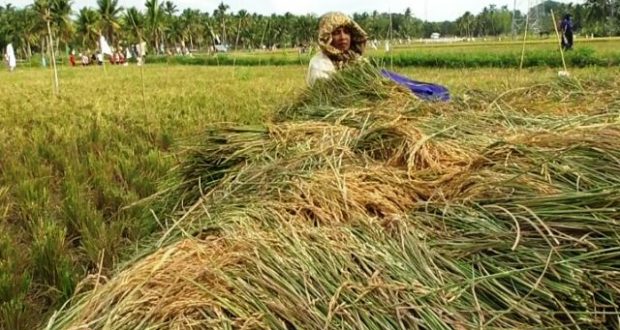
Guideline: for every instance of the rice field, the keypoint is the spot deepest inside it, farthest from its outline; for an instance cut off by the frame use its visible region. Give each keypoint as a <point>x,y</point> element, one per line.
<point>602,52</point>
<point>90,182</point>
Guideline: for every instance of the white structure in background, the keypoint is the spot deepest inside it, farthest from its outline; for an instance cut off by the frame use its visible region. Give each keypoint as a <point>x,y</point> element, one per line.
<point>373,44</point>
<point>105,47</point>
<point>436,38</point>
<point>140,52</point>
<point>221,48</point>
<point>10,54</point>
<point>127,56</point>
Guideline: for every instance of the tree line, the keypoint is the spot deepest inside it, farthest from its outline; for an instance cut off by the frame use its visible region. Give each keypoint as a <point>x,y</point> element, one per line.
<point>57,25</point>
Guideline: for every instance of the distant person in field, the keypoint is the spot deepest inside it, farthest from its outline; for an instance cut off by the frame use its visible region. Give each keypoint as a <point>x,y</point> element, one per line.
<point>10,58</point>
<point>566,26</point>
<point>341,41</point>
<point>72,58</point>
<point>84,59</point>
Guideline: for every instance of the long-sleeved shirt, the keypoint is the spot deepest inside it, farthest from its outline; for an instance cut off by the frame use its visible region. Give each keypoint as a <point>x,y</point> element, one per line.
<point>321,67</point>
<point>566,25</point>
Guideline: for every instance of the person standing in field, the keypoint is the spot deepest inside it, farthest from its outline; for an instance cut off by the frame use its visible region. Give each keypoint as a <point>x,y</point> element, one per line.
<point>566,26</point>
<point>341,41</point>
<point>10,57</point>
<point>72,58</point>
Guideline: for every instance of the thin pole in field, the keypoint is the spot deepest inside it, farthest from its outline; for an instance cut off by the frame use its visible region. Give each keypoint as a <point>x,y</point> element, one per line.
<point>53,58</point>
<point>390,43</point>
<point>141,59</point>
<point>514,20</point>
<point>557,33</point>
<point>141,65</point>
<point>102,56</point>
<point>527,27</point>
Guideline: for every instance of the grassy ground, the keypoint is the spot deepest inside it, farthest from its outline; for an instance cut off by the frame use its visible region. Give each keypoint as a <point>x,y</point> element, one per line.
<point>72,164</point>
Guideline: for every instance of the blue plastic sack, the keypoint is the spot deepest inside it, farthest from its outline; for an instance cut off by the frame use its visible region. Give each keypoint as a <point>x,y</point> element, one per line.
<point>423,90</point>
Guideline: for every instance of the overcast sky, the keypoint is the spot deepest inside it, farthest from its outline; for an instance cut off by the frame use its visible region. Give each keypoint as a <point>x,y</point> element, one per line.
<point>434,10</point>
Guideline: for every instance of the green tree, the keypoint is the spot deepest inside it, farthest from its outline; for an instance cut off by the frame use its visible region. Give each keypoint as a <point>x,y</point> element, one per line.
<point>88,27</point>
<point>134,23</point>
<point>222,17</point>
<point>190,21</point>
<point>109,11</point>
<point>155,21</point>
<point>465,24</point>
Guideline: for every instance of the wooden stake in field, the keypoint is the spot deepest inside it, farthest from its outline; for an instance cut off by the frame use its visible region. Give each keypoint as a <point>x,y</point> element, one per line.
<point>142,47</point>
<point>53,57</point>
<point>557,33</point>
<point>527,26</point>
<point>389,42</point>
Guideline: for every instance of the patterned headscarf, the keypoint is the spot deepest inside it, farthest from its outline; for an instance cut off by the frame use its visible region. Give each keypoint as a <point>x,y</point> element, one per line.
<point>327,25</point>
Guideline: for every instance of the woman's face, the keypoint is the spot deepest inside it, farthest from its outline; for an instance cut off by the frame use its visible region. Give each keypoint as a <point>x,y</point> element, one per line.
<point>341,39</point>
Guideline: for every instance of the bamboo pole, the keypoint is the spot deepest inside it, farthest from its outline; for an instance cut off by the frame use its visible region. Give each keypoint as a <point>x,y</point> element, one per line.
<point>53,57</point>
<point>527,26</point>
<point>557,33</point>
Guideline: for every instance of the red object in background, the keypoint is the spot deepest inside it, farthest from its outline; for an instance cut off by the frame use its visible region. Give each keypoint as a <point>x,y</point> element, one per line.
<point>72,59</point>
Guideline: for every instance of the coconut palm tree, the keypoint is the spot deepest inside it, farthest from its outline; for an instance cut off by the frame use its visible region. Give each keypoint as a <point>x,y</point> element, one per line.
<point>220,15</point>
<point>170,8</point>
<point>134,22</point>
<point>305,29</point>
<point>109,11</point>
<point>599,16</point>
<point>8,19</point>
<point>598,9</point>
<point>174,31</point>
<point>155,21</point>
<point>190,19</point>
<point>208,23</point>
<point>465,23</point>
<point>242,21</point>
<point>88,26</point>
<point>62,25</point>
<point>45,10</point>
<point>27,27</point>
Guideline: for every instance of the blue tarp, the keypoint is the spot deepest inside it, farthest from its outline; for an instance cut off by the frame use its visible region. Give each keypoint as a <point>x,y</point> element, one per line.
<point>423,90</point>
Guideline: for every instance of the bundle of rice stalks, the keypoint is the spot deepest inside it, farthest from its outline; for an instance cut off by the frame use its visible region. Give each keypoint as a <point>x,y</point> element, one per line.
<point>450,268</point>
<point>357,87</point>
<point>270,161</point>
<point>375,215</point>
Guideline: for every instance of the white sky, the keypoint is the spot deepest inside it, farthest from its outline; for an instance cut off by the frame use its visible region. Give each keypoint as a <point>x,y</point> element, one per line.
<point>433,10</point>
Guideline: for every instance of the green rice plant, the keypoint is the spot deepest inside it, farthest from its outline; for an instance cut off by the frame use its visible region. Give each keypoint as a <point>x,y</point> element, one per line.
<point>75,167</point>
<point>83,161</point>
<point>14,284</point>
<point>376,212</point>
<point>502,57</point>
<point>51,264</point>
